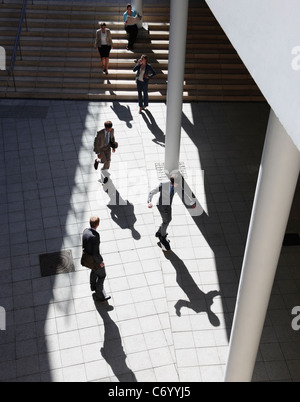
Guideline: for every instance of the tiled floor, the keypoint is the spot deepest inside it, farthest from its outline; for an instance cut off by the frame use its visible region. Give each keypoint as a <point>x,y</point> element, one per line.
<point>170,316</point>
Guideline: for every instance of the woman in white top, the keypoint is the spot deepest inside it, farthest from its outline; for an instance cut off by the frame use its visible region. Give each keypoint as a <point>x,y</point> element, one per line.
<point>104,44</point>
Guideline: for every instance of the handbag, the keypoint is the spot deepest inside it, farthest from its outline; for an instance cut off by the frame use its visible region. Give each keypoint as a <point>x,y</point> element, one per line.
<point>88,261</point>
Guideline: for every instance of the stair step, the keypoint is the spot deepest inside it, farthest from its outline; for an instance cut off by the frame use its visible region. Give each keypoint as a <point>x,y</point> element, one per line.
<point>60,61</point>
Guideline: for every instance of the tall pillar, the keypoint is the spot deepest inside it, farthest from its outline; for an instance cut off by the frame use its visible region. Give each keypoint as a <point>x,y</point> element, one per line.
<point>276,185</point>
<point>138,8</point>
<point>176,65</point>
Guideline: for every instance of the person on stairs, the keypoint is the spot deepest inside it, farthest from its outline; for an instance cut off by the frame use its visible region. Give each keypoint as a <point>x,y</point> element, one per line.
<point>130,24</point>
<point>104,44</point>
<point>144,72</point>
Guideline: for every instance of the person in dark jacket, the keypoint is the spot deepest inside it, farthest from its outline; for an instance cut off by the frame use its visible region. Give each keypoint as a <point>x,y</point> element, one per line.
<point>144,72</point>
<point>166,191</point>
<point>104,142</point>
<point>94,260</point>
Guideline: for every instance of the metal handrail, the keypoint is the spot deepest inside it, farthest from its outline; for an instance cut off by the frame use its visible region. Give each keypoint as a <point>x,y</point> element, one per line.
<point>17,41</point>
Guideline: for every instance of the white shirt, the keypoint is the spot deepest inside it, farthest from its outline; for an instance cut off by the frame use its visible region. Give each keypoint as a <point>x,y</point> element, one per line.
<point>142,73</point>
<point>103,38</point>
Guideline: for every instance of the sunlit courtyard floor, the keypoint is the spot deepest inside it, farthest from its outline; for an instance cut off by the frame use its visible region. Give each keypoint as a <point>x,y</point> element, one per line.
<point>170,315</point>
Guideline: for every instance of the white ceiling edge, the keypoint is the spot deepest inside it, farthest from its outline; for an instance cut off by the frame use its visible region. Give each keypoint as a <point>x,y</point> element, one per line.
<point>266,35</point>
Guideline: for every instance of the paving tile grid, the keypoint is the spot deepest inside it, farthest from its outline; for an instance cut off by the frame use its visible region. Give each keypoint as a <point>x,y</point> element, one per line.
<point>170,317</point>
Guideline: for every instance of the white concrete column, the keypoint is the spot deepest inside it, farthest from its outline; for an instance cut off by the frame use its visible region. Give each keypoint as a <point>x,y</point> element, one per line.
<point>276,185</point>
<point>137,5</point>
<point>176,65</point>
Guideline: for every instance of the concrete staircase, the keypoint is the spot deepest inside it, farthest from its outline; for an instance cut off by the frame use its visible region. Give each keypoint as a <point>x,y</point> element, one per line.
<point>60,62</point>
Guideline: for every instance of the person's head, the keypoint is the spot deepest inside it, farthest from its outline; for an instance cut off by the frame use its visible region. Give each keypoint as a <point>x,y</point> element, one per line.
<point>174,179</point>
<point>103,26</point>
<point>108,125</point>
<point>129,8</point>
<point>94,222</point>
<point>144,59</point>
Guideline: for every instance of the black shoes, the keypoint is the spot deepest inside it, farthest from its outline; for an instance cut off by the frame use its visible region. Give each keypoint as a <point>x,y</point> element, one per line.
<point>96,163</point>
<point>164,241</point>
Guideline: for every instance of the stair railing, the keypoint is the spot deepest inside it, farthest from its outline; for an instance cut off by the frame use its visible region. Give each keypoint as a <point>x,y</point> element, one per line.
<point>17,41</point>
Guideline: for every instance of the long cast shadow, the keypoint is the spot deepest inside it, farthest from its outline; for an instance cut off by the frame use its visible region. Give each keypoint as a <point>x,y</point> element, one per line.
<point>225,189</point>
<point>198,300</point>
<point>122,212</point>
<point>123,112</point>
<point>42,185</point>
<point>112,350</point>
<point>153,127</point>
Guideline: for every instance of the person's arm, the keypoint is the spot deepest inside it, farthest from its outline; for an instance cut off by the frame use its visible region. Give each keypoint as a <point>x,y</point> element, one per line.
<point>151,194</point>
<point>112,140</point>
<point>151,71</point>
<point>96,40</point>
<point>187,197</point>
<point>95,251</point>
<point>136,67</point>
<point>109,38</point>
<point>98,142</point>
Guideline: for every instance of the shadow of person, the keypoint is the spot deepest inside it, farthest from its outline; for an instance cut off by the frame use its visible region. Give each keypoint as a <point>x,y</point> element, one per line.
<point>153,127</point>
<point>112,350</point>
<point>121,211</point>
<point>198,300</point>
<point>123,113</point>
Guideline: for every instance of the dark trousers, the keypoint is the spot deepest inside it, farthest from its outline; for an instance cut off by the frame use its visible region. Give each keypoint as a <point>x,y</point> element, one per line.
<point>97,278</point>
<point>142,88</point>
<point>132,31</point>
<point>106,157</point>
<point>166,214</point>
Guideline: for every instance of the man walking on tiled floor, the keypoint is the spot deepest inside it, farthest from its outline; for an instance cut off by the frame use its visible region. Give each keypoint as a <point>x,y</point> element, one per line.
<point>91,258</point>
<point>103,144</point>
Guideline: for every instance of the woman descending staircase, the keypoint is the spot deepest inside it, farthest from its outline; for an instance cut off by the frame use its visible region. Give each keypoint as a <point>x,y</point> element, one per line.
<point>59,59</point>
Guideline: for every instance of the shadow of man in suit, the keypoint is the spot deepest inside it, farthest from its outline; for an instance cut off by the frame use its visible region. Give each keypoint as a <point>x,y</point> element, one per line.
<point>112,350</point>
<point>122,212</point>
<point>198,300</point>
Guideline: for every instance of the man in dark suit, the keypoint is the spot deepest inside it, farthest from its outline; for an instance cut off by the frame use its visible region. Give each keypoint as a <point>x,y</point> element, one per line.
<point>166,192</point>
<point>103,144</point>
<point>164,205</point>
<point>93,259</point>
